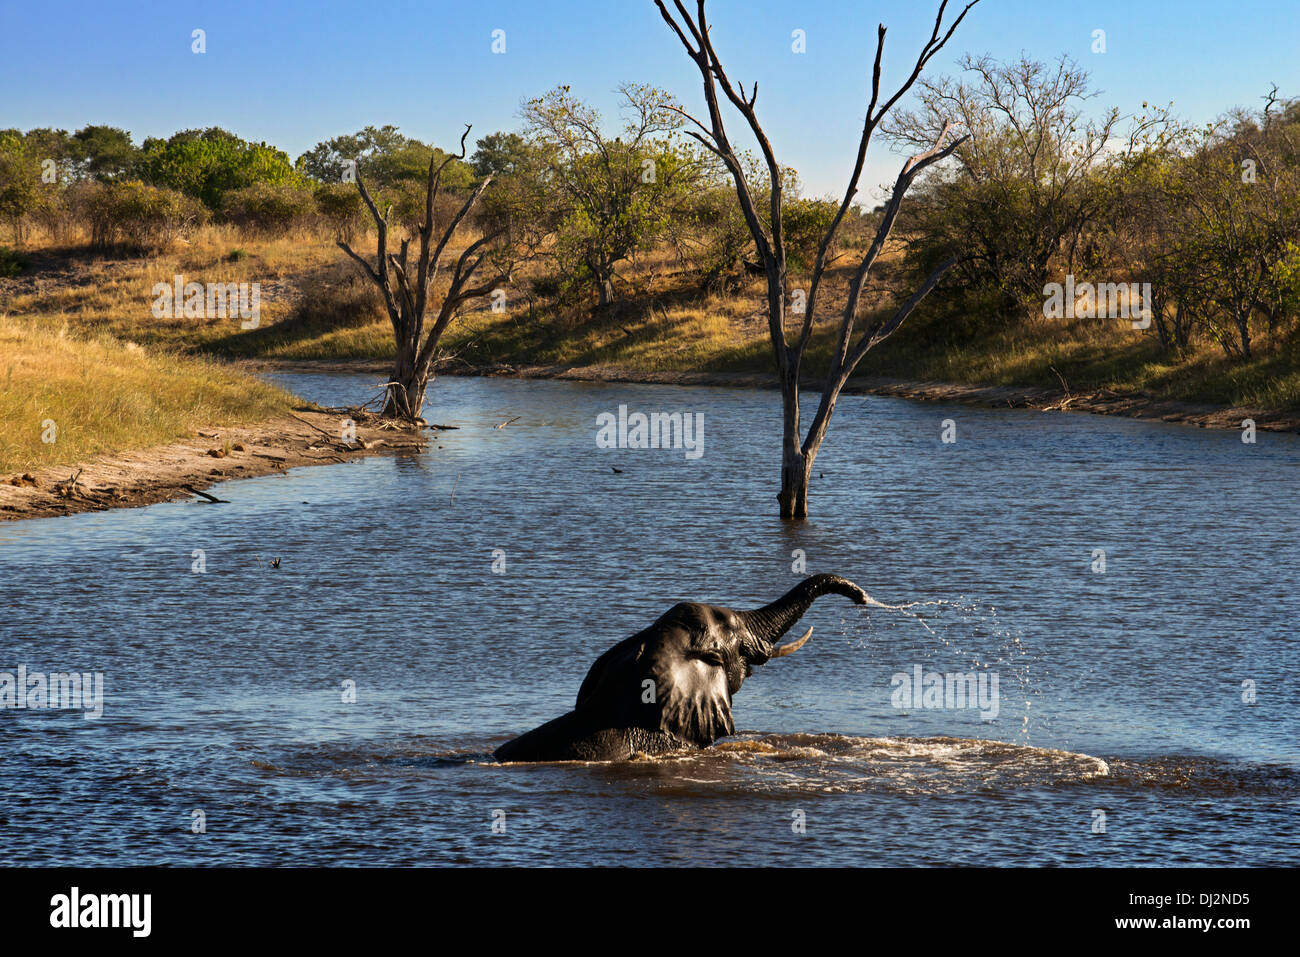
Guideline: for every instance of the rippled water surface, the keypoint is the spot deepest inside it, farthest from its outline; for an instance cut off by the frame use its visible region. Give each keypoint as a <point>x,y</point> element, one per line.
<point>1122,695</point>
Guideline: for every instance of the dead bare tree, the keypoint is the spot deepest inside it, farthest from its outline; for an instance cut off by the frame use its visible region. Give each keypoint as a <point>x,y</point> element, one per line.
<point>798,451</point>
<point>407,296</point>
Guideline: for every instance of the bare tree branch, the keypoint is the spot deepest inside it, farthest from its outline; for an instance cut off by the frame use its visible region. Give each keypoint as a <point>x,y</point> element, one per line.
<point>692,30</point>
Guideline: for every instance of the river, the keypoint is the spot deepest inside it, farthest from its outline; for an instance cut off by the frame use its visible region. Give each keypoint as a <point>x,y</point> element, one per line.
<point>1145,713</point>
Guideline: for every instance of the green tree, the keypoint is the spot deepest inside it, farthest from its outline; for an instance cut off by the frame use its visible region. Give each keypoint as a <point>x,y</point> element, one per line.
<point>386,158</point>
<point>104,152</point>
<point>608,197</point>
<point>501,154</point>
<point>20,182</point>
<point>329,160</point>
<point>1024,188</point>
<point>53,145</point>
<point>209,163</point>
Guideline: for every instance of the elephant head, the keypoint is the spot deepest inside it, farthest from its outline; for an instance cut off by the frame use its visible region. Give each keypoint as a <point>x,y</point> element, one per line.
<point>671,685</point>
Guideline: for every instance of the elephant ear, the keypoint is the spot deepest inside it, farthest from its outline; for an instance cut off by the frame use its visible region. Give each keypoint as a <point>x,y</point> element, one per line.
<point>691,698</point>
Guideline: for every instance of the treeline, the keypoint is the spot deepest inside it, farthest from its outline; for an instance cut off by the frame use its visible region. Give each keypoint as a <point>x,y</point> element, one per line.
<point>1208,215</point>
<point>602,198</point>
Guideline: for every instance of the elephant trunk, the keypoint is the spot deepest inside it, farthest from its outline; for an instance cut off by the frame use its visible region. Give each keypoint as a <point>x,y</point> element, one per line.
<point>772,621</point>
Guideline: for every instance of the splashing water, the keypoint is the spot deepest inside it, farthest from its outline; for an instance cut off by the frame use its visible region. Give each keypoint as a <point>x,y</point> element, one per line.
<point>1005,652</point>
<point>905,606</point>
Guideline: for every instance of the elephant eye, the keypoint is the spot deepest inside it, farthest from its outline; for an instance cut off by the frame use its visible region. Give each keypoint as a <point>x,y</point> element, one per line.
<point>710,657</point>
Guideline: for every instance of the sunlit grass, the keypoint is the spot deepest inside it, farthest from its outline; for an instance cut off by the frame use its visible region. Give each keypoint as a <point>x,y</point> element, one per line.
<point>104,395</point>
<point>662,323</point>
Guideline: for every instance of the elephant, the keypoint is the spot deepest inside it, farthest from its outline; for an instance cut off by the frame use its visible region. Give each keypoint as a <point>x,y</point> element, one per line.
<point>669,687</point>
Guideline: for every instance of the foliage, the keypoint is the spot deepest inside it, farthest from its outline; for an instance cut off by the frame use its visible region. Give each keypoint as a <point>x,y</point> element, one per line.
<point>143,216</point>
<point>269,210</point>
<point>103,152</point>
<point>1024,188</point>
<point>23,195</point>
<point>11,263</point>
<point>341,209</point>
<point>608,197</point>
<point>385,158</point>
<point>501,154</point>
<point>209,163</point>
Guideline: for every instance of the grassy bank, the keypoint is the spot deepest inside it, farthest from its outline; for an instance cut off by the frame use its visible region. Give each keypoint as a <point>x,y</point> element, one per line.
<point>314,306</point>
<point>104,395</point>
<point>730,335</point>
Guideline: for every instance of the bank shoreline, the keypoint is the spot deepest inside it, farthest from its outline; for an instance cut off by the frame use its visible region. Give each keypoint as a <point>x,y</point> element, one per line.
<point>1134,405</point>
<point>186,467</point>
<point>311,437</point>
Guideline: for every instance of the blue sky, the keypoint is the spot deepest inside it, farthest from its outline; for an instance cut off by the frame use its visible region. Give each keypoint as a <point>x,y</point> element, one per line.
<point>296,73</point>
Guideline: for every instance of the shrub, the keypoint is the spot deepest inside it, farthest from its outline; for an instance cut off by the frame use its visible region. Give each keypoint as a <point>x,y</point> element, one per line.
<point>211,163</point>
<point>20,172</point>
<point>269,210</point>
<point>11,263</point>
<point>805,222</point>
<point>143,216</point>
<point>341,209</point>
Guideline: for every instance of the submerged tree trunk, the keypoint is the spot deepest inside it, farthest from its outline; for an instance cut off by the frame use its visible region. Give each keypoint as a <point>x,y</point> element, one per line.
<point>797,451</point>
<point>796,472</point>
<point>796,466</point>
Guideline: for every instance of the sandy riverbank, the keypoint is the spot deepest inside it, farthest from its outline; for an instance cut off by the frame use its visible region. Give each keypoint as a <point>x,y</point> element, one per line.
<point>173,471</point>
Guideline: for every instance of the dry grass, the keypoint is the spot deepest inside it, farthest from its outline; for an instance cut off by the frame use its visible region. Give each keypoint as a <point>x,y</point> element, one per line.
<point>104,395</point>
<point>100,293</point>
<point>314,306</point>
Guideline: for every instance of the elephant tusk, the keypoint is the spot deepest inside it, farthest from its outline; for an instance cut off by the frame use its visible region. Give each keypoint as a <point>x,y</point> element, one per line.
<point>793,646</point>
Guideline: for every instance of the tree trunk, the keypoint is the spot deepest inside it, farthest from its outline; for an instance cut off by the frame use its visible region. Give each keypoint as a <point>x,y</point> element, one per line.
<point>796,471</point>
<point>770,241</point>
<point>796,468</point>
<point>605,287</point>
<point>406,285</point>
<point>406,384</point>
<point>405,399</point>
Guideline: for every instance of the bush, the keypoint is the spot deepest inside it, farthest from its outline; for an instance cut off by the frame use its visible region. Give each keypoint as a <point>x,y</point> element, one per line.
<point>11,263</point>
<point>269,210</point>
<point>805,222</point>
<point>210,163</point>
<point>20,177</point>
<point>341,209</point>
<point>143,216</point>
<point>547,287</point>
<point>340,299</point>
<point>408,198</point>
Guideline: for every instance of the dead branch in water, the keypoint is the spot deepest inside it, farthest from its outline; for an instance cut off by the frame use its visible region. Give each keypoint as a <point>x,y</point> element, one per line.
<point>203,494</point>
